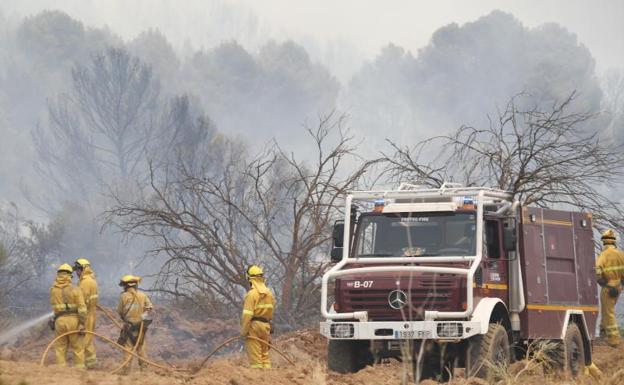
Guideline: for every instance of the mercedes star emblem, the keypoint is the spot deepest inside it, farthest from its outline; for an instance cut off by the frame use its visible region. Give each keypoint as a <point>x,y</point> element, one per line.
<point>397,299</point>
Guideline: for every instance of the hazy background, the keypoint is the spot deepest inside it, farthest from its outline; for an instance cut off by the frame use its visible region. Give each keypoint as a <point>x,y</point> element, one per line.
<point>364,27</point>
<point>197,71</point>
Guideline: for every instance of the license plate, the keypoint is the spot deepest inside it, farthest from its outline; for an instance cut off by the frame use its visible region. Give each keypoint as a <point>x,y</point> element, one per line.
<point>404,334</point>
<point>411,334</point>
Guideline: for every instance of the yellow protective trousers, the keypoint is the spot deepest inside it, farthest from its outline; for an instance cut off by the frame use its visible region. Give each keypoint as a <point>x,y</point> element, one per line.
<point>64,324</point>
<point>257,352</point>
<point>90,356</point>
<point>608,322</point>
<point>140,350</point>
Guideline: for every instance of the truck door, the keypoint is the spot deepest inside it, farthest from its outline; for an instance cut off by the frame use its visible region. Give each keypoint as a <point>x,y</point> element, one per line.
<point>494,262</point>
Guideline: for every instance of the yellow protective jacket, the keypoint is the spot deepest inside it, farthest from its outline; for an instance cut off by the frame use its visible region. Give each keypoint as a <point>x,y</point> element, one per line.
<point>89,288</point>
<point>132,304</point>
<point>259,302</point>
<point>610,265</point>
<point>66,298</point>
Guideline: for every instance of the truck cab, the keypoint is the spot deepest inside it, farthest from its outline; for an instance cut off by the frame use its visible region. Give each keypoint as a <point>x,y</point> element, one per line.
<point>437,276</point>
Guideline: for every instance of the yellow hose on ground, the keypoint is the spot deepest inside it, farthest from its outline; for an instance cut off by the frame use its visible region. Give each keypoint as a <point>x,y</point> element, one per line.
<point>226,342</point>
<point>111,342</point>
<point>154,364</point>
<point>235,338</point>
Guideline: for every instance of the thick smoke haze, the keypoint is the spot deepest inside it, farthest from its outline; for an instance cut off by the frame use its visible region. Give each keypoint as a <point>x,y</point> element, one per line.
<point>96,95</point>
<point>346,31</point>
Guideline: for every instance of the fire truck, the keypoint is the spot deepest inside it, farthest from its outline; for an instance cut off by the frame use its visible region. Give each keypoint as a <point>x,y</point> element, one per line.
<point>457,277</point>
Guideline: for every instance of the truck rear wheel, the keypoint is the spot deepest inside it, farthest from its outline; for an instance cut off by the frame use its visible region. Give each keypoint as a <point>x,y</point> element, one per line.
<point>488,355</point>
<point>344,356</point>
<point>570,354</point>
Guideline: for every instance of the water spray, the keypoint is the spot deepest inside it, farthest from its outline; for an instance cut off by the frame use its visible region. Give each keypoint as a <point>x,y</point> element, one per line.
<point>10,334</point>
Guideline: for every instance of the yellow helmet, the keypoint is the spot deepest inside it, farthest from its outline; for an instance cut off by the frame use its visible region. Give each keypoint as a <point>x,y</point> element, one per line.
<point>64,268</point>
<point>608,237</point>
<point>254,271</point>
<point>129,280</point>
<point>81,263</point>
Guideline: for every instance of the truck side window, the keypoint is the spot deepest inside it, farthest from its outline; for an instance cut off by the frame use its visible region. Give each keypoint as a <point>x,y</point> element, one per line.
<point>492,239</point>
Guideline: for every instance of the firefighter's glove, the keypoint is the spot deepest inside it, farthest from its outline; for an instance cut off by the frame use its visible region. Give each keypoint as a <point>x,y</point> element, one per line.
<point>81,330</point>
<point>613,292</point>
<point>601,281</point>
<point>51,323</point>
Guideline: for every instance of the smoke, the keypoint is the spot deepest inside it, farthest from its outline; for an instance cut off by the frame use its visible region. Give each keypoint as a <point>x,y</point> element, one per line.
<point>239,70</point>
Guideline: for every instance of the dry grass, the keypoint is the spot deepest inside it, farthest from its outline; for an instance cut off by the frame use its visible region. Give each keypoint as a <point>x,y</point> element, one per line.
<point>308,349</point>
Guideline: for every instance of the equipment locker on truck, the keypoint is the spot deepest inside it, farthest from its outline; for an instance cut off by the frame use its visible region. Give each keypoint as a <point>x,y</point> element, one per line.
<point>467,276</point>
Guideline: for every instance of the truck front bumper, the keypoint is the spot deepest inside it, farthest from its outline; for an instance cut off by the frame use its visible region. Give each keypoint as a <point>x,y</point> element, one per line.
<point>400,330</point>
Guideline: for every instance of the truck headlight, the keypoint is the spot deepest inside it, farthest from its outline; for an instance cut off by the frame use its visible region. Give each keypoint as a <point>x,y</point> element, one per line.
<point>450,329</point>
<point>341,330</point>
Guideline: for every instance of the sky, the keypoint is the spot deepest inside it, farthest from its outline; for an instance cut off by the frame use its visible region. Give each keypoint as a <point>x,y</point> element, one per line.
<point>361,25</point>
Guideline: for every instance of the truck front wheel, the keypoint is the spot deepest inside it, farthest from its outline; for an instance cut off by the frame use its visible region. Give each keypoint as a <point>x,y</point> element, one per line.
<point>437,362</point>
<point>488,355</point>
<point>345,356</point>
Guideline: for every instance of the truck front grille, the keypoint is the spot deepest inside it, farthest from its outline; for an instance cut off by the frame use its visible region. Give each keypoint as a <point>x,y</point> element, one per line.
<point>424,295</point>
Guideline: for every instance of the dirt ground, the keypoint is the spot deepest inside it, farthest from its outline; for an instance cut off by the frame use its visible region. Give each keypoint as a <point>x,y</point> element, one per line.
<point>183,344</point>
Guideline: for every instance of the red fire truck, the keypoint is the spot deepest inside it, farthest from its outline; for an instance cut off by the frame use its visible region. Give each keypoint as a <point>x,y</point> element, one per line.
<point>464,277</point>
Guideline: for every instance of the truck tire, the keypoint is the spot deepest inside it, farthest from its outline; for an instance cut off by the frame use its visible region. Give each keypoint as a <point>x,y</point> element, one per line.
<point>438,363</point>
<point>488,355</point>
<point>345,356</point>
<point>569,356</point>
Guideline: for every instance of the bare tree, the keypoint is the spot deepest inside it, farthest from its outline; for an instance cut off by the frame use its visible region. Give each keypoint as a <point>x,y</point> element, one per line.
<point>273,209</point>
<point>102,135</point>
<point>545,158</point>
<point>100,130</point>
<point>103,131</point>
<point>27,249</point>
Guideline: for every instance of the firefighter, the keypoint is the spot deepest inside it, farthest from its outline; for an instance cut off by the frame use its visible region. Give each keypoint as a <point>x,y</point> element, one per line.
<point>134,308</point>
<point>70,314</point>
<point>89,288</point>
<point>609,274</point>
<point>256,318</point>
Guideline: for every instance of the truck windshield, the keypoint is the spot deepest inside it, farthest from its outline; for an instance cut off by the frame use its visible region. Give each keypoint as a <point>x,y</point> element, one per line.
<point>414,235</point>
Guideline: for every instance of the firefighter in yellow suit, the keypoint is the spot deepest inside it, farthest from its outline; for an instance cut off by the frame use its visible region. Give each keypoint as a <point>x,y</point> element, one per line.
<point>69,315</point>
<point>134,308</point>
<point>89,288</point>
<point>256,318</point>
<point>609,275</point>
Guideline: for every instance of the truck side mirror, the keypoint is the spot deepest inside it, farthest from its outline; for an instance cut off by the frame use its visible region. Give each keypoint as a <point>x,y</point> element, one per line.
<point>338,238</point>
<point>509,239</point>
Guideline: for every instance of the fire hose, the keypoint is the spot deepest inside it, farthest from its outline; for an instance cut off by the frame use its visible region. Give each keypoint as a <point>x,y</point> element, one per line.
<point>132,353</point>
<point>111,342</point>
<point>152,363</point>
<point>109,316</point>
<point>235,338</point>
